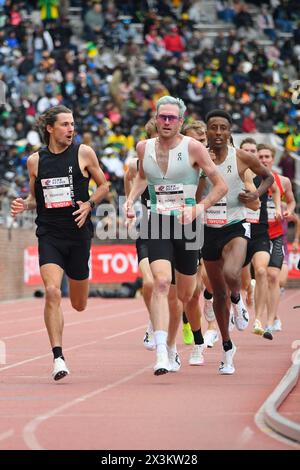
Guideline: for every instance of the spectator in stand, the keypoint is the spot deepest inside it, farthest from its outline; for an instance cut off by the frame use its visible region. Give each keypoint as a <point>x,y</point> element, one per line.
<point>265,23</point>
<point>243,17</point>
<point>287,164</point>
<point>248,124</point>
<point>174,42</point>
<point>94,22</point>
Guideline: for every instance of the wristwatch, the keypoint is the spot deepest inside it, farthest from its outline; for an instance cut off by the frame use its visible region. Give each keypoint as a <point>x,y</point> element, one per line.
<point>91,203</point>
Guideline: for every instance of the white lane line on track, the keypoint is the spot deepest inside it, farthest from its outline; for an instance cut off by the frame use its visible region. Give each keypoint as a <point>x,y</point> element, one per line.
<point>30,428</point>
<point>67,310</point>
<point>6,435</point>
<point>35,358</point>
<point>126,331</point>
<point>80,322</point>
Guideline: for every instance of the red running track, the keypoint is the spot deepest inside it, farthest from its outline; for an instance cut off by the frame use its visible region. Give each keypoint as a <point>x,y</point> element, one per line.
<point>112,400</point>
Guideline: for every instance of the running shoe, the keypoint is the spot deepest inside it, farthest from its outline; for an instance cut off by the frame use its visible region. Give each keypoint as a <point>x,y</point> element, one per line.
<point>241,315</point>
<point>196,357</point>
<point>268,333</point>
<point>226,366</point>
<point>231,320</point>
<point>174,360</point>
<point>149,341</point>
<point>162,365</point>
<point>60,369</point>
<point>257,328</point>
<point>208,310</point>
<point>210,338</point>
<point>187,334</point>
<point>277,325</point>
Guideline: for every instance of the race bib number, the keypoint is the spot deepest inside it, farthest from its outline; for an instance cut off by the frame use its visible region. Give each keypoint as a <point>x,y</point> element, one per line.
<point>253,216</point>
<point>57,192</point>
<point>169,197</point>
<point>217,214</point>
<point>271,210</point>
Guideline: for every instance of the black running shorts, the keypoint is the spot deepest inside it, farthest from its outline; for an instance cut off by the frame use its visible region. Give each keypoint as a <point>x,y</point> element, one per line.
<point>142,253</point>
<point>258,243</point>
<point>174,242</point>
<point>216,238</point>
<point>277,253</point>
<point>71,255</point>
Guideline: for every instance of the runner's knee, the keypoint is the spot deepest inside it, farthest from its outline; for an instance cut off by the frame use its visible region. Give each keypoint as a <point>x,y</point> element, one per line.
<point>185,296</point>
<point>162,284</point>
<point>79,304</point>
<point>52,294</point>
<point>260,272</point>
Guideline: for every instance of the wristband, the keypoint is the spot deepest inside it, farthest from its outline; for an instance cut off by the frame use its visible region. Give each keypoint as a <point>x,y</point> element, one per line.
<point>91,203</point>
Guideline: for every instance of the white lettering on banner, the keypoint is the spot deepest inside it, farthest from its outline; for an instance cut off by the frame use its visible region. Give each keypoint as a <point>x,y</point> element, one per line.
<point>133,260</point>
<point>104,258</point>
<point>119,262</point>
<point>31,265</point>
<point>124,263</point>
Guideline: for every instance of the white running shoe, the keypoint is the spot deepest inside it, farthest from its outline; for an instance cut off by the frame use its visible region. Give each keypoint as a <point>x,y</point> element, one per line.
<point>196,357</point>
<point>226,367</point>
<point>174,360</point>
<point>149,341</point>
<point>231,320</point>
<point>208,310</point>
<point>241,315</point>
<point>162,365</point>
<point>277,325</point>
<point>210,338</point>
<point>60,369</point>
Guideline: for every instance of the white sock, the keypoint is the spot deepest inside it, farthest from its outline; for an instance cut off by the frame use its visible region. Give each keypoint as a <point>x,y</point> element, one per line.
<point>160,340</point>
<point>172,348</point>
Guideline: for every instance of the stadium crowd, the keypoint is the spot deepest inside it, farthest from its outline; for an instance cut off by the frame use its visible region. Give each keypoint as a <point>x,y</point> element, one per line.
<point>110,61</point>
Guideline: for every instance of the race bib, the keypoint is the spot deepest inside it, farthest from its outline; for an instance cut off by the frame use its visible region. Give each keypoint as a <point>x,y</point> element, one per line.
<point>217,214</point>
<point>253,216</point>
<point>57,192</point>
<point>169,197</point>
<point>247,228</point>
<point>271,210</point>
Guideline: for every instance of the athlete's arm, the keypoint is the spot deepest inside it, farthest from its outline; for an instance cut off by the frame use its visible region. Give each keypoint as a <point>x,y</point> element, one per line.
<point>139,183</point>
<point>297,232</point>
<point>19,205</point>
<point>289,197</point>
<point>277,200</point>
<point>129,175</point>
<point>89,162</point>
<point>200,157</point>
<point>250,161</point>
<point>200,188</point>
<point>250,188</point>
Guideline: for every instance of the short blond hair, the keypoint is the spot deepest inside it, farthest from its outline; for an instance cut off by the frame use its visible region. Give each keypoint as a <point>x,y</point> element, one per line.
<point>150,128</point>
<point>197,126</point>
<point>267,147</point>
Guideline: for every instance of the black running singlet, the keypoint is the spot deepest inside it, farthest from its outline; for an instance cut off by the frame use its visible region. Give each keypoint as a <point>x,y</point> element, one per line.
<point>262,226</point>
<point>59,184</point>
